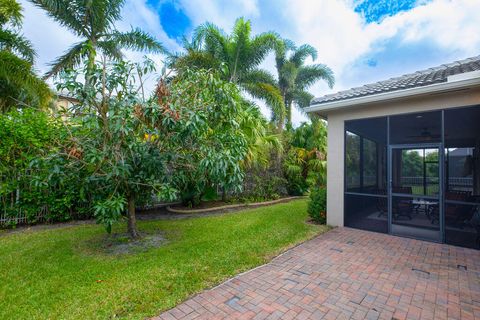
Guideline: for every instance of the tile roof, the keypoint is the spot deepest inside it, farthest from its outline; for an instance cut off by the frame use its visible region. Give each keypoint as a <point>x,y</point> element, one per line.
<point>418,79</point>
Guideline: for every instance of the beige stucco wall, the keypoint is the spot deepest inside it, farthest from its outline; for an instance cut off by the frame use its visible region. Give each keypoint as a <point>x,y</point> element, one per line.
<point>336,120</point>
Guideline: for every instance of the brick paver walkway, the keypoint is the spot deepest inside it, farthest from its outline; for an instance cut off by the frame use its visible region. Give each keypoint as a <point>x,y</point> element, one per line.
<point>349,274</point>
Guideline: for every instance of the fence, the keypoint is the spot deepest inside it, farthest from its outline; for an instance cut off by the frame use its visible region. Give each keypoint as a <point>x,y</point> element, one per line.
<point>21,218</point>
<point>455,183</point>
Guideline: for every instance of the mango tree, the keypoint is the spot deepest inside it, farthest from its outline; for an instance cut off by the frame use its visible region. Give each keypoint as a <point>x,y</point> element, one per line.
<point>108,140</point>
<point>185,136</point>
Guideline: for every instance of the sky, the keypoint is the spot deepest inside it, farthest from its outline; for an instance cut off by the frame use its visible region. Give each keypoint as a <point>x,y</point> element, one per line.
<point>362,41</point>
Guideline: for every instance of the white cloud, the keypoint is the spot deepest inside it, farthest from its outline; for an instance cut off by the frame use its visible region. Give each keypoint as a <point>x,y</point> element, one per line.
<point>50,40</point>
<point>343,39</point>
<point>136,13</point>
<point>450,24</point>
<point>223,13</point>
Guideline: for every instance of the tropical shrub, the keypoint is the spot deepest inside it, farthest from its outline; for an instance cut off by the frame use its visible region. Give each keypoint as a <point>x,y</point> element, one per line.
<point>208,142</point>
<point>305,160</point>
<point>317,206</point>
<point>262,184</point>
<point>263,172</point>
<point>28,137</point>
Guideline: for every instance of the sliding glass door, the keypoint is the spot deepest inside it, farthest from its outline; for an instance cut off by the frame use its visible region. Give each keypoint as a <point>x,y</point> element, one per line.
<point>415,191</point>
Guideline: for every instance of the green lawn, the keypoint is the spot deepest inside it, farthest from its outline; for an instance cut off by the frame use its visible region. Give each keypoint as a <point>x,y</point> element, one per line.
<point>53,274</point>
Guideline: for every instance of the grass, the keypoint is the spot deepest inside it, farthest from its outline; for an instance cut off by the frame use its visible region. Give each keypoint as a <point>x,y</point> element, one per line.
<point>64,273</point>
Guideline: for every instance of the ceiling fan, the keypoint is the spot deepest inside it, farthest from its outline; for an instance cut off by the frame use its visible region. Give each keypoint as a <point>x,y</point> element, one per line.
<point>425,134</point>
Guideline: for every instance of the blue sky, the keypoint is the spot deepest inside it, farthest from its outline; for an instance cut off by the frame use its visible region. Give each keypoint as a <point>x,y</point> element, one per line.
<point>172,18</point>
<point>377,10</point>
<point>361,40</point>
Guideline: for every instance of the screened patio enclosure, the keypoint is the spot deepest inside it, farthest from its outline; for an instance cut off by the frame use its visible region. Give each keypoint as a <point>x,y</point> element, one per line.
<point>415,175</point>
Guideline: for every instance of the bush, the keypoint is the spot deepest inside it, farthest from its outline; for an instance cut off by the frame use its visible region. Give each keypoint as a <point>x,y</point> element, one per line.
<point>27,141</point>
<point>317,207</point>
<point>262,184</point>
<point>305,161</point>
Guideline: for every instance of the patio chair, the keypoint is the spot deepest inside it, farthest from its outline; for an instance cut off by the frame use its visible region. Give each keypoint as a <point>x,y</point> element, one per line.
<point>402,208</point>
<point>382,203</point>
<point>475,222</point>
<point>457,213</point>
<point>434,214</point>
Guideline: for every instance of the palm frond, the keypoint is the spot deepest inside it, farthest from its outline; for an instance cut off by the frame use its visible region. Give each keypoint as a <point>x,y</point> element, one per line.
<point>193,45</point>
<point>270,94</point>
<point>258,76</point>
<point>12,41</point>
<point>261,45</point>
<point>10,13</point>
<point>237,47</point>
<point>69,14</point>
<point>241,30</point>
<point>308,75</point>
<point>70,59</point>
<point>196,59</point>
<point>113,11</point>
<point>110,49</point>
<point>281,52</point>
<point>301,53</point>
<point>302,98</point>
<point>136,39</point>
<point>19,85</point>
<point>211,39</point>
<point>287,75</point>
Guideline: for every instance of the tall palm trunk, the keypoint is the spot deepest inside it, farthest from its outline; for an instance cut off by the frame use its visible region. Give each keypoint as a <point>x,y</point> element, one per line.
<point>281,121</point>
<point>92,54</point>
<point>288,112</point>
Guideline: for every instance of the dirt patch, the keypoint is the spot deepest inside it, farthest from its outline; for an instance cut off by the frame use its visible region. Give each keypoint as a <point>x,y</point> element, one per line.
<point>311,221</point>
<point>121,243</point>
<point>204,205</point>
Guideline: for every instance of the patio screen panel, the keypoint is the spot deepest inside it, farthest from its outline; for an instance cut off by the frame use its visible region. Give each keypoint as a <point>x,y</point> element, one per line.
<point>366,174</point>
<point>462,181</point>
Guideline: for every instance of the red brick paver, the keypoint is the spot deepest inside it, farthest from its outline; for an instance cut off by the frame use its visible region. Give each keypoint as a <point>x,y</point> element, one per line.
<point>349,274</point>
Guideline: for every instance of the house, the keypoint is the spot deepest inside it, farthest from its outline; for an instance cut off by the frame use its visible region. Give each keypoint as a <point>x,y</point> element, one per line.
<point>404,154</point>
<point>64,102</point>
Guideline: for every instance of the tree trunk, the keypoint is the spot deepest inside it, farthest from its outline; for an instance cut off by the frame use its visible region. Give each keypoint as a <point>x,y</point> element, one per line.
<point>288,107</point>
<point>90,62</point>
<point>132,220</point>
<point>224,194</point>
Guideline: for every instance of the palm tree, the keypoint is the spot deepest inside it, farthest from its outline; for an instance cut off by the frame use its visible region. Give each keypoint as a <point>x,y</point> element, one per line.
<point>262,140</point>
<point>10,40</point>
<point>94,22</point>
<point>239,55</point>
<point>19,85</point>
<point>294,77</point>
